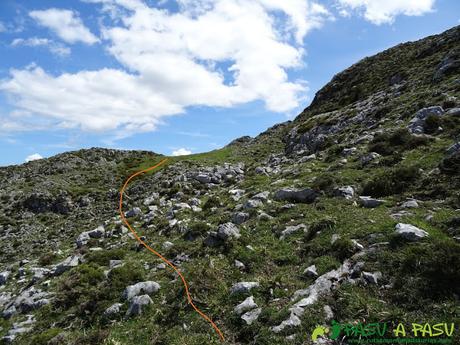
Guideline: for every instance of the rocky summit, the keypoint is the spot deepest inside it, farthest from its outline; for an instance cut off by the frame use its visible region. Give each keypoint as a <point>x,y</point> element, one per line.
<point>350,212</point>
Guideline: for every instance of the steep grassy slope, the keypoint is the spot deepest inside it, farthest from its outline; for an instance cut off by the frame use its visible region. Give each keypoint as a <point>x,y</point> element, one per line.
<point>358,138</point>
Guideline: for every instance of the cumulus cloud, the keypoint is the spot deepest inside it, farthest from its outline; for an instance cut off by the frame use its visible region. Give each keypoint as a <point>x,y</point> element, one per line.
<point>66,24</point>
<point>181,152</point>
<point>209,53</point>
<point>380,12</point>
<point>54,47</point>
<point>33,157</point>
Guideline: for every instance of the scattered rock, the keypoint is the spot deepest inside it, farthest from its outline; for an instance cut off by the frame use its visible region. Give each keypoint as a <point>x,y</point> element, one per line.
<point>410,204</point>
<point>329,314</point>
<point>246,305</point>
<point>371,157</point>
<point>240,217</point>
<point>292,321</point>
<point>67,264</point>
<point>410,232</point>
<point>147,287</point>
<point>251,316</point>
<point>417,124</point>
<point>38,273</point>
<point>239,265</point>
<point>228,231</point>
<point>346,192</point>
<point>372,278</point>
<point>452,150</point>
<point>137,305</point>
<point>133,212</point>
<point>113,310</point>
<point>453,112</point>
<point>291,230</point>
<point>84,237</point>
<point>115,263</point>
<point>310,271</point>
<point>236,194</point>
<point>253,203</point>
<point>368,202</point>
<point>19,328</point>
<point>4,277</point>
<point>322,286</point>
<point>243,287</point>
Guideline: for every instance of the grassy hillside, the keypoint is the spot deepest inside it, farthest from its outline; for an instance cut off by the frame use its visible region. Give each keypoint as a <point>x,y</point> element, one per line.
<point>286,210</point>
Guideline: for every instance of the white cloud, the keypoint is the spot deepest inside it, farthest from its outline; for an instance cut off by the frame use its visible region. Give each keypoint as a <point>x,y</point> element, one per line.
<point>55,48</point>
<point>181,152</point>
<point>33,157</point>
<point>2,27</point>
<point>211,53</point>
<point>66,24</point>
<point>385,11</point>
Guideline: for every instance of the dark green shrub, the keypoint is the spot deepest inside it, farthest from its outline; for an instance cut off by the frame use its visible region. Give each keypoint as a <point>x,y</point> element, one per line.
<point>103,257</point>
<point>343,248</point>
<point>195,230</point>
<point>213,201</point>
<point>426,273</point>
<point>391,181</point>
<point>451,165</point>
<point>325,182</point>
<point>122,276</point>
<point>44,337</point>
<point>432,123</point>
<point>398,141</point>
<point>47,259</point>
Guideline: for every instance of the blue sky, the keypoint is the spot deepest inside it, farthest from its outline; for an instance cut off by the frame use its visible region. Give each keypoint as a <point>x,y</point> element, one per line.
<point>181,76</point>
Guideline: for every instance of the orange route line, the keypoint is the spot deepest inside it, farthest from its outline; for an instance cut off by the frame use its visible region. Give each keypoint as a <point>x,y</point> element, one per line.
<point>169,263</point>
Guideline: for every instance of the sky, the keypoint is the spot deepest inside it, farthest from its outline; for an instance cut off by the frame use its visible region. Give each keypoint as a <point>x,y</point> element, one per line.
<point>181,76</point>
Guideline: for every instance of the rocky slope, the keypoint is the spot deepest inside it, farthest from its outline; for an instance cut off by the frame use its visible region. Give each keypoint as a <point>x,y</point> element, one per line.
<point>350,212</point>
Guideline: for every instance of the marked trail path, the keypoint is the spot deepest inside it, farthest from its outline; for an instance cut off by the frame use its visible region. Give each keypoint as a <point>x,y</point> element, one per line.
<point>169,263</point>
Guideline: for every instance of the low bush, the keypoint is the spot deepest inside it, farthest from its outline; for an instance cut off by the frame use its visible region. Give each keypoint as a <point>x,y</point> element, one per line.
<point>399,141</point>
<point>426,273</point>
<point>103,257</point>
<point>451,165</point>
<point>392,181</point>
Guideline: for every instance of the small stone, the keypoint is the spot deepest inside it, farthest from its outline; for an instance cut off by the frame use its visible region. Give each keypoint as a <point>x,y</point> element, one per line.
<point>246,305</point>
<point>239,265</point>
<point>253,203</point>
<point>4,277</point>
<point>251,316</point>
<point>113,310</point>
<point>243,287</point>
<point>147,287</point>
<point>369,202</point>
<point>227,231</point>
<point>133,212</point>
<point>240,217</point>
<point>334,238</point>
<point>167,245</point>
<point>410,204</point>
<point>329,314</point>
<point>292,229</point>
<point>410,232</point>
<point>115,263</point>
<point>310,271</point>
<point>306,195</point>
<point>372,278</point>
<point>346,192</point>
<point>137,305</point>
